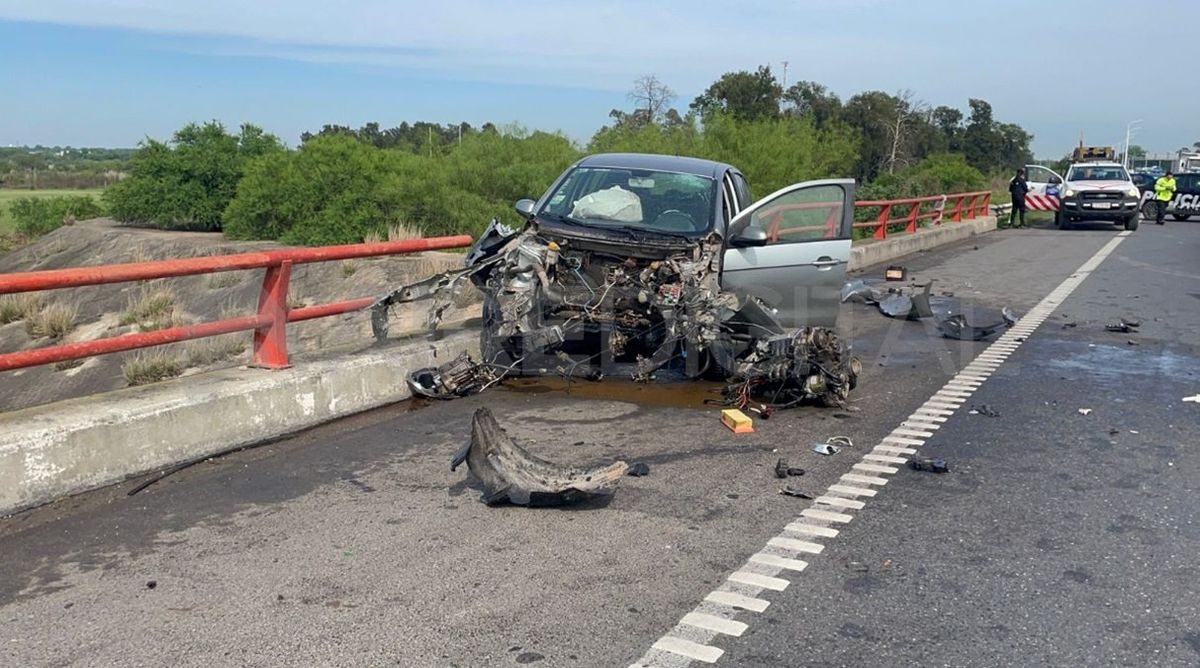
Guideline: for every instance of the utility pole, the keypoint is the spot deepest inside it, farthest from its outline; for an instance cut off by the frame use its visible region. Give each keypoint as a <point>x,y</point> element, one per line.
<point>785,64</point>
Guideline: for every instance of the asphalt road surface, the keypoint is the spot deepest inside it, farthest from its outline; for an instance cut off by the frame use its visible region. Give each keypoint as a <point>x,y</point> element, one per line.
<point>1065,534</point>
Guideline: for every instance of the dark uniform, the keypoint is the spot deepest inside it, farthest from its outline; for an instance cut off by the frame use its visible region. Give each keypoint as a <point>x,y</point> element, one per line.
<point>1018,188</point>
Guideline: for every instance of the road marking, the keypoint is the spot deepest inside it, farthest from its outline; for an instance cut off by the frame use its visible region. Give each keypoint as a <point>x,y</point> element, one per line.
<point>826,515</point>
<point>756,580</point>
<point>902,440</point>
<point>853,491</point>
<point>945,403</point>
<point>887,459</point>
<point>692,650</point>
<point>796,545</point>
<point>864,479</point>
<point>701,620</point>
<point>811,529</point>
<point>905,431</point>
<point>840,502</point>
<point>737,601</point>
<point>778,562</point>
<point>875,468</point>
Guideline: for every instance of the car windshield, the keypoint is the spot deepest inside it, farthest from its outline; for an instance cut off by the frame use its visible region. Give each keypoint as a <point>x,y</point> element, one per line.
<point>667,202</point>
<point>1114,173</point>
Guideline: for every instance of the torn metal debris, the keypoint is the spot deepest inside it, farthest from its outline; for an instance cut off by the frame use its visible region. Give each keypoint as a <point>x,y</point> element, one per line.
<point>459,377</point>
<point>953,319</point>
<point>602,302</point>
<point>510,474</point>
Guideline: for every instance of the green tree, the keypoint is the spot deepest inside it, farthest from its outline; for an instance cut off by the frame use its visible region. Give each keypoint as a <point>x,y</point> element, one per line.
<point>743,95</point>
<point>188,182</point>
<point>809,99</point>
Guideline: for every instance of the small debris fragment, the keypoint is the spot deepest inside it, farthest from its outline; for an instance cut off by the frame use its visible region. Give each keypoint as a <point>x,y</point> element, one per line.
<point>151,584</point>
<point>857,567</point>
<point>1085,411</point>
<point>985,410</point>
<point>737,421</point>
<point>1132,342</point>
<point>1070,325</point>
<point>930,464</point>
<point>782,470</point>
<point>792,490</point>
<point>895,273</point>
<point>832,445</point>
<point>1129,322</point>
<point>1194,400</point>
<point>638,469</point>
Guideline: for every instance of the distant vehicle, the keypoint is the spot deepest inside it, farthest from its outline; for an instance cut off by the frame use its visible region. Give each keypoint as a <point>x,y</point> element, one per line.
<point>1186,161</point>
<point>1186,202</point>
<point>1098,191</point>
<point>1144,180</point>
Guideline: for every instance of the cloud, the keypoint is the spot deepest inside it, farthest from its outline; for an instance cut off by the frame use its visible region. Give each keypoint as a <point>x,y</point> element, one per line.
<point>594,45</point>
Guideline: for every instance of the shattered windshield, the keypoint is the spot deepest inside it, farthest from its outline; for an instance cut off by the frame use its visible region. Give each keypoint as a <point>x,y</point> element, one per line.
<point>659,201</point>
<point>1098,174</point>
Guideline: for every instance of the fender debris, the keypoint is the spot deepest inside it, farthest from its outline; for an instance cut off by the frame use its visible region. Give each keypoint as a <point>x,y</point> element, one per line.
<point>510,474</point>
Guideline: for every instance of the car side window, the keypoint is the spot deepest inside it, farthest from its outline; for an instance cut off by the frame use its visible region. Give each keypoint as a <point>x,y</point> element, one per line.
<point>743,190</point>
<point>1036,174</point>
<point>807,214</point>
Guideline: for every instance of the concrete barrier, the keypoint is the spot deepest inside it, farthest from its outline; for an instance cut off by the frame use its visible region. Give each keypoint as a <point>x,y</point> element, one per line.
<point>877,252</point>
<point>51,451</point>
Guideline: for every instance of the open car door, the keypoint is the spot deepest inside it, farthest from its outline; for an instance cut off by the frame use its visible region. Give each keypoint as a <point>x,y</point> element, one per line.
<point>791,249</point>
<point>1044,188</point>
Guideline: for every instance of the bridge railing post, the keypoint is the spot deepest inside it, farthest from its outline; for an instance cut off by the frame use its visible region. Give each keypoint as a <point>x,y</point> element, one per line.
<point>270,340</point>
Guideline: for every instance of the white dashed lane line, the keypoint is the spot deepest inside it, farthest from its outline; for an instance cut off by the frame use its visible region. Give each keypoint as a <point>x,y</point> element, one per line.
<point>764,572</point>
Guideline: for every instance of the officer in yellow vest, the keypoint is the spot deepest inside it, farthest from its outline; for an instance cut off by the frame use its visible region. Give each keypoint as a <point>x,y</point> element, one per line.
<point>1164,192</point>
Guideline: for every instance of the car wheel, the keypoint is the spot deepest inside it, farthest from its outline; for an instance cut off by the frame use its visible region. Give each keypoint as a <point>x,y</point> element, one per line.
<point>1180,216</point>
<point>1131,223</point>
<point>1149,210</point>
<point>1060,220</point>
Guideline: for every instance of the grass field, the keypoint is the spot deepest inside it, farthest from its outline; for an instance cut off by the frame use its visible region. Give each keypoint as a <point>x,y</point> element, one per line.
<point>7,196</point>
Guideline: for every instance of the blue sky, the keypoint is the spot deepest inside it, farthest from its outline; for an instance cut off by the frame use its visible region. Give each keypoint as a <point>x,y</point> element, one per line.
<point>110,72</point>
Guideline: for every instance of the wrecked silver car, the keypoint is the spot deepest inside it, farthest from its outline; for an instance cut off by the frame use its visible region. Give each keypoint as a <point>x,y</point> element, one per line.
<point>653,266</point>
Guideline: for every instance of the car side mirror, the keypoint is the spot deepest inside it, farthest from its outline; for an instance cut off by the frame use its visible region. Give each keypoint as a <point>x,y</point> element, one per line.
<point>1055,181</point>
<point>751,235</point>
<point>525,207</point>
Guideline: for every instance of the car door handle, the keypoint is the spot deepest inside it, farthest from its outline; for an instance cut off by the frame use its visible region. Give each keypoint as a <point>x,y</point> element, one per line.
<point>825,263</point>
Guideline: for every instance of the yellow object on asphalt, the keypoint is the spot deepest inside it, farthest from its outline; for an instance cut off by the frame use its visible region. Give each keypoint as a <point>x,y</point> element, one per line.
<point>737,421</point>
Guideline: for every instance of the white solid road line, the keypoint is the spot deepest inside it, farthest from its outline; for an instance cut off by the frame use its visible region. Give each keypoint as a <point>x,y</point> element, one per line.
<point>671,650</point>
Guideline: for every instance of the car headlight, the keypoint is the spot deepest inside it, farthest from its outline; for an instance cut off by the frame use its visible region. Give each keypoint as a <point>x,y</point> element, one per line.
<point>1132,192</point>
<point>1069,193</point>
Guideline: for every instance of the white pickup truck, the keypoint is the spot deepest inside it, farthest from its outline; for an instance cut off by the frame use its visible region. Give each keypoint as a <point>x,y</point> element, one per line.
<point>1092,191</point>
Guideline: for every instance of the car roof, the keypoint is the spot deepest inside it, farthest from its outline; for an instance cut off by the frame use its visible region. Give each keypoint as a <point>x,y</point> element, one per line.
<point>1096,164</point>
<point>656,162</point>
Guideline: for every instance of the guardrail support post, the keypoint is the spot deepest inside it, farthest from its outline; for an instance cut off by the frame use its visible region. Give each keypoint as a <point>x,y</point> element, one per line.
<point>912,218</point>
<point>971,207</point>
<point>884,212</point>
<point>270,341</point>
<point>956,215</point>
<point>987,203</point>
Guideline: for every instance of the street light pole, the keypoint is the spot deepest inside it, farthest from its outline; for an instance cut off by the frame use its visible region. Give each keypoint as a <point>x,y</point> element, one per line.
<point>1128,135</point>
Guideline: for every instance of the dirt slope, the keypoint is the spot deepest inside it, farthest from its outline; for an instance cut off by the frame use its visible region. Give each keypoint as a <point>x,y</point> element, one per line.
<point>101,309</point>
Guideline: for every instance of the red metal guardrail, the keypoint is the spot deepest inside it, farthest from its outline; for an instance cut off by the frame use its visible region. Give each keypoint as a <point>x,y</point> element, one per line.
<point>912,211</point>
<point>957,207</point>
<point>269,324</point>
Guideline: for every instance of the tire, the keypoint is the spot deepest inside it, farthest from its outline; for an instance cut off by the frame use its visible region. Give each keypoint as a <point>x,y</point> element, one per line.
<point>1060,220</point>
<point>1131,223</point>
<point>1180,216</point>
<point>1149,210</point>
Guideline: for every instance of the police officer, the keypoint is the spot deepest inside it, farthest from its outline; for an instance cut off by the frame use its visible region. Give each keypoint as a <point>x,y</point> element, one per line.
<point>1018,188</point>
<point>1164,191</point>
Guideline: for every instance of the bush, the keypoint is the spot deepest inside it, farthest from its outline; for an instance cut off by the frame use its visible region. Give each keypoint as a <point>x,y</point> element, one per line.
<point>53,321</point>
<point>150,367</point>
<point>187,183</point>
<point>36,216</point>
